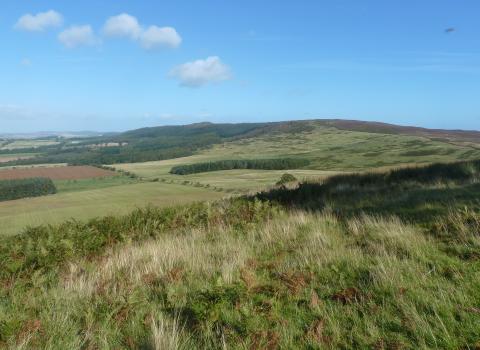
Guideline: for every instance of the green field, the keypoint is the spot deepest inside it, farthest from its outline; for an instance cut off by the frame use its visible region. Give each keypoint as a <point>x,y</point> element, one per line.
<point>19,144</point>
<point>64,186</point>
<point>87,204</point>
<point>229,180</point>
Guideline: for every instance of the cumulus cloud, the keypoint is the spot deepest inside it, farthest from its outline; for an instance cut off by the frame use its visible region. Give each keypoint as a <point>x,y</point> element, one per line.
<point>201,72</point>
<point>156,37</point>
<point>153,37</point>
<point>123,25</point>
<point>39,22</point>
<point>77,36</point>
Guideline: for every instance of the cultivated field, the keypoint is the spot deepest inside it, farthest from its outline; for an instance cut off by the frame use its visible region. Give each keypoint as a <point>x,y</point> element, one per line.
<point>55,173</point>
<point>86,204</point>
<point>230,180</point>
<point>19,144</point>
<point>9,157</point>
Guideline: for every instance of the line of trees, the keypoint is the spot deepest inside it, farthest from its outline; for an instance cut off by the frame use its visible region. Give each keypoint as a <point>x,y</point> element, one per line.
<point>264,164</point>
<point>23,188</point>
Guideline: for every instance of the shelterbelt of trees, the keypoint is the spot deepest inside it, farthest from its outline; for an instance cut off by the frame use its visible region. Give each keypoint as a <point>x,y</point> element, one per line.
<point>24,188</point>
<point>262,164</point>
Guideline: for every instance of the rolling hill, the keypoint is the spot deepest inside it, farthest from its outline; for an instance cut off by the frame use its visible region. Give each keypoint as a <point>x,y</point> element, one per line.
<point>167,142</point>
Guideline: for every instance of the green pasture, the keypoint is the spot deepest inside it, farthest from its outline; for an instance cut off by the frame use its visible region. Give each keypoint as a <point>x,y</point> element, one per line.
<point>83,205</point>
<point>64,186</point>
<point>19,144</point>
<point>228,180</point>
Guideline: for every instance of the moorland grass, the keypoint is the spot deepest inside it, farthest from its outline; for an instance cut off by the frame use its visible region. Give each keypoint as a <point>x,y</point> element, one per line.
<point>237,275</point>
<point>418,194</point>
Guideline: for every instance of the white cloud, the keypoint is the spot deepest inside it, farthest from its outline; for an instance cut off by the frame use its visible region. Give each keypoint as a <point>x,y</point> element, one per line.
<point>201,72</point>
<point>77,36</point>
<point>26,62</point>
<point>123,25</point>
<point>128,26</point>
<point>156,37</point>
<point>40,21</point>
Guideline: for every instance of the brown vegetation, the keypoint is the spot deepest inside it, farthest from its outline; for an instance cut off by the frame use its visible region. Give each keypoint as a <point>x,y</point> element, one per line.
<point>55,173</point>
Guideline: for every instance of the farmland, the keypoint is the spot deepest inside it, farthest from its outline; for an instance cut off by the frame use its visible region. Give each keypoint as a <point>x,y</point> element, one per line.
<point>22,144</point>
<point>84,204</point>
<point>55,173</point>
<point>4,158</point>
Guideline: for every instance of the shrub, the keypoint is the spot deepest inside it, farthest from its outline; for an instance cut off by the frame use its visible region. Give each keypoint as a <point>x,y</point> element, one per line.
<point>23,188</point>
<point>286,178</point>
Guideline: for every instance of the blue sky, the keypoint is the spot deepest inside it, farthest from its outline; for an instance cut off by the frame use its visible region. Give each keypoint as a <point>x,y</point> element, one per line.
<point>117,65</point>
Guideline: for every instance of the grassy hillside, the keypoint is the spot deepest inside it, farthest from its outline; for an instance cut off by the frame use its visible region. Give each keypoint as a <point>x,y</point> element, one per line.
<point>168,142</point>
<point>349,269</point>
<point>329,150</point>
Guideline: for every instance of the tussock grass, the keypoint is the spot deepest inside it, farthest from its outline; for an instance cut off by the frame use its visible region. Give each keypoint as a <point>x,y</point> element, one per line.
<point>302,280</point>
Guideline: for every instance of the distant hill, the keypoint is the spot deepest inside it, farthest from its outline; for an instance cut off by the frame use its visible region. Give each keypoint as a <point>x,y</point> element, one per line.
<point>167,142</point>
<point>43,134</point>
<point>384,128</point>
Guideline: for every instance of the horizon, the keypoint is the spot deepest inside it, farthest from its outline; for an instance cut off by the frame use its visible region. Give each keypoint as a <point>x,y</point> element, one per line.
<point>49,133</point>
<point>129,65</point>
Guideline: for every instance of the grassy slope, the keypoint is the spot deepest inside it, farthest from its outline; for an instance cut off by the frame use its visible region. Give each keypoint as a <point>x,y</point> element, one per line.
<point>331,150</point>
<point>64,186</point>
<point>89,203</point>
<point>242,274</point>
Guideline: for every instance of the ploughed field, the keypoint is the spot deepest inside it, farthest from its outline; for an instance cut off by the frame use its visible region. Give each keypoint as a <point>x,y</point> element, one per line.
<point>55,173</point>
